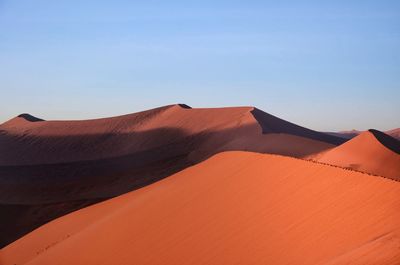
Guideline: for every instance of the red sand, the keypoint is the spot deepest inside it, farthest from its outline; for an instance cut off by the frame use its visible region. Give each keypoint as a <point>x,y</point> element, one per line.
<point>364,153</point>
<point>235,208</point>
<point>50,168</point>
<point>46,142</point>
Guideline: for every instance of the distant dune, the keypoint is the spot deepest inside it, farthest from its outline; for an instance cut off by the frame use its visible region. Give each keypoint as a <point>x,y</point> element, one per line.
<point>234,208</point>
<point>395,133</point>
<point>50,168</point>
<point>345,134</point>
<point>372,152</point>
<point>28,140</point>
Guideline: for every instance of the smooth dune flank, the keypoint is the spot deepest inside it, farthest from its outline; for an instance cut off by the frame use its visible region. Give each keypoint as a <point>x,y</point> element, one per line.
<point>372,152</point>
<point>234,208</point>
<point>50,168</point>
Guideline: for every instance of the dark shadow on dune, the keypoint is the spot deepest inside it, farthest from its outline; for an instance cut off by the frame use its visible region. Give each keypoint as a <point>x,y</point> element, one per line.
<point>272,124</point>
<point>25,149</point>
<point>37,191</point>
<point>184,106</point>
<point>45,177</point>
<point>53,190</point>
<point>29,117</point>
<point>18,220</point>
<point>387,140</point>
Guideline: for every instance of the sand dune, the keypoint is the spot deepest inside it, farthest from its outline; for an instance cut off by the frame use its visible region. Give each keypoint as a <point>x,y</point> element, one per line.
<point>345,134</point>
<point>27,140</point>
<point>49,168</point>
<point>234,208</point>
<point>372,152</point>
<point>395,133</point>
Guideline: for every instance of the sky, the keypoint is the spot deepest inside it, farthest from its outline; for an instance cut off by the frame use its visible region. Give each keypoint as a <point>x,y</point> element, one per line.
<point>326,65</point>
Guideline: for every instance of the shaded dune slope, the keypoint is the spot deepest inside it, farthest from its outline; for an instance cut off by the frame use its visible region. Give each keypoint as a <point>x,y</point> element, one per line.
<point>372,151</point>
<point>28,117</point>
<point>234,208</point>
<point>272,124</point>
<point>49,168</point>
<point>386,140</point>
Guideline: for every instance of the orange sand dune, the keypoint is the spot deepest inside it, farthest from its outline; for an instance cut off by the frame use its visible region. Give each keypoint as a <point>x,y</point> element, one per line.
<point>49,168</point>
<point>234,208</point>
<point>372,152</point>
<point>27,140</point>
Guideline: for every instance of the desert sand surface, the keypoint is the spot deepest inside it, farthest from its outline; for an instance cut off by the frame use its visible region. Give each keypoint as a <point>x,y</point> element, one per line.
<point>234,208</point>
<point>50,168</point>
<point>372,152</point>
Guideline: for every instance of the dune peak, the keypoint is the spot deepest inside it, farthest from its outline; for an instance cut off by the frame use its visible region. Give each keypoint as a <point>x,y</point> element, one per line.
<point>272,124</point>
<point>29,117</point>
<point>371,151</point>
<point>184,106</point>
<point>386,140</point>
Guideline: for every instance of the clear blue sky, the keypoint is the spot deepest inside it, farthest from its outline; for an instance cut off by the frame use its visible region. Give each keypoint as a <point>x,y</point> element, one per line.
<point>327,65</point>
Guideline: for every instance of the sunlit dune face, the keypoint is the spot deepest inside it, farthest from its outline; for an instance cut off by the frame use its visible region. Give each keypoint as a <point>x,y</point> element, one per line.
<point>235,208</point>
<point>366,153</point>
